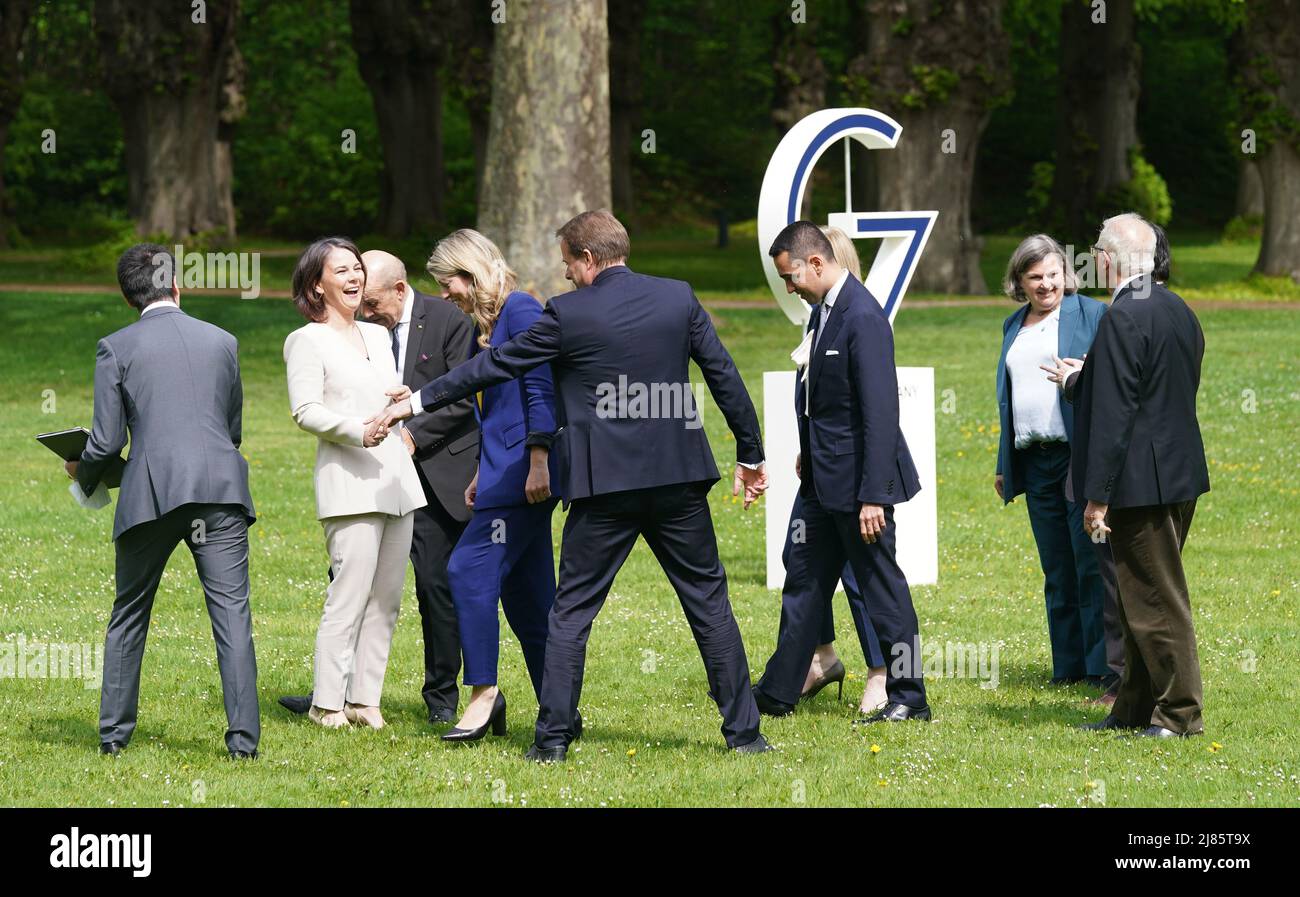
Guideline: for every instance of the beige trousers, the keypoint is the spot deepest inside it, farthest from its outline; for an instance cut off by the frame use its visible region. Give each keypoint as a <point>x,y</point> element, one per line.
<point>368,554</point>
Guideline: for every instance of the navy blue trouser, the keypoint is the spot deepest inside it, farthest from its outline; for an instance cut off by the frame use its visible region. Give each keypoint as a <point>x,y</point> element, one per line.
<point>832,539</point>
<point>857,604</point>
<point>505,553</point>
<point>599,534</point>
<point>1072,583</point>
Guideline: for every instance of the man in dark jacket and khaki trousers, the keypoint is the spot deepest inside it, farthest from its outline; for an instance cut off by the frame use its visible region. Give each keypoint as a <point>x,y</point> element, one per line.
<point>1140,463</point>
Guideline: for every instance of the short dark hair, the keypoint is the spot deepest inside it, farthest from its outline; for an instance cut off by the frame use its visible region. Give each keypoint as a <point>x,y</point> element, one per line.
<point>597,232</point>
<point>802,239</point>
<point>307,273</point>
<point>145,273</point>
<point>1160,267</point>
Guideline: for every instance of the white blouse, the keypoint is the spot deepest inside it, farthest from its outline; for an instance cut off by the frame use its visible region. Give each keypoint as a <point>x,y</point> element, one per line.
<point>1035,400</point>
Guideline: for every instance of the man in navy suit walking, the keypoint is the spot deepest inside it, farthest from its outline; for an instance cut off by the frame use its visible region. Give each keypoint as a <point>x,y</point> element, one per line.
<point>631,458</point>
<point>854,468</point>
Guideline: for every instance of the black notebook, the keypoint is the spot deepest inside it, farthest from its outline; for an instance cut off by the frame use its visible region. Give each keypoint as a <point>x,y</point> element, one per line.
<point>69,444</point>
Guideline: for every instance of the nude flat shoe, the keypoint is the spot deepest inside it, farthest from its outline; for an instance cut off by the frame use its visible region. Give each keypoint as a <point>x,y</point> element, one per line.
<point>366,716</point>
<point>330,719</point>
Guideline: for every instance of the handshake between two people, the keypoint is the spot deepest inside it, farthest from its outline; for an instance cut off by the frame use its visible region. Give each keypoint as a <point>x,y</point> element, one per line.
<point>751,481</point>
<point>398,408</point>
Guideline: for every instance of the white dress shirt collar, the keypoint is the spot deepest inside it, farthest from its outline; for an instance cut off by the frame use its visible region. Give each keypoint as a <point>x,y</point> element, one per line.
<point>161,303</point>
<point>1125,282</point>
<point>408,303</point>
<point>834,291</point>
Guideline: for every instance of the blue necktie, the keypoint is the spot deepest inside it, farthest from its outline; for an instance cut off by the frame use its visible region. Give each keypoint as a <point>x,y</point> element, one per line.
<point>397,349</point>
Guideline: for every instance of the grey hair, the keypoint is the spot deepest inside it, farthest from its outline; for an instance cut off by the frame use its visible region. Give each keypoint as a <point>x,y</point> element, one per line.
<point>1030,252</point>
<point>1131,243</point>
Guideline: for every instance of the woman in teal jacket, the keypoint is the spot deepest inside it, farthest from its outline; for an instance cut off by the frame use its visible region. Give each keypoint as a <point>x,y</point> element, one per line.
<point>1034,449</point>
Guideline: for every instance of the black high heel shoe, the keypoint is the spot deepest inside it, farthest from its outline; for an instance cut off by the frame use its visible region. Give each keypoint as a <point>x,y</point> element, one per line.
<point>834,674</point>
<point>496,721</point>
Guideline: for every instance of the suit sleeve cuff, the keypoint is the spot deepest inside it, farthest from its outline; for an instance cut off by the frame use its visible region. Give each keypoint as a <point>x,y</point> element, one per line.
<point>539,438</point>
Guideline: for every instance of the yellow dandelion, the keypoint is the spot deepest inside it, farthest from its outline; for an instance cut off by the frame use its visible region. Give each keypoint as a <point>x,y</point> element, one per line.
<point>632,752</point>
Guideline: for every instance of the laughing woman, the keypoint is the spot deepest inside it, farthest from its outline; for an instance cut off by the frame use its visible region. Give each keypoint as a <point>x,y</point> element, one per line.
<point>366,485</point>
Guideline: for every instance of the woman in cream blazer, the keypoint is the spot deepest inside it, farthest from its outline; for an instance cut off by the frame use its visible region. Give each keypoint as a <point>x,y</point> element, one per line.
<point>366,484</point>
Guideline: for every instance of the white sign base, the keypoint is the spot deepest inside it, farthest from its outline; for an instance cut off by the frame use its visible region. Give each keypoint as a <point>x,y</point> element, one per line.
<point>917,520</point>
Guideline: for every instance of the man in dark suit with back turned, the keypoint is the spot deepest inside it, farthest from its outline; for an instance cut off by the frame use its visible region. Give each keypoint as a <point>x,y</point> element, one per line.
<point>430,336</point>
<point>1139,461</point>
<point>854,467</point>
<point>627,468</point>
<point>172,383</point>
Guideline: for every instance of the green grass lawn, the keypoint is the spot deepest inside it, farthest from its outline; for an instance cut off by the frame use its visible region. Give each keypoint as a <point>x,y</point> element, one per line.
<point>652,734</point>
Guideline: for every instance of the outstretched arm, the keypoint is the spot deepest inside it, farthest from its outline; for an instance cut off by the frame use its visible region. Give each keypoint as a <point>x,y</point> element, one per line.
<point>430,429</point>
<point>537,345</point>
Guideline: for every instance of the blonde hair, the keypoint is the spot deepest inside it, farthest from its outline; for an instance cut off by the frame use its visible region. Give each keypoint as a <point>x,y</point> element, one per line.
<point>470,254</point>
<point>845,252</point>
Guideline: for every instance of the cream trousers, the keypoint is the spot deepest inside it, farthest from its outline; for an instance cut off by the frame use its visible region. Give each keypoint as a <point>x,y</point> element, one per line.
<point>368,554</point>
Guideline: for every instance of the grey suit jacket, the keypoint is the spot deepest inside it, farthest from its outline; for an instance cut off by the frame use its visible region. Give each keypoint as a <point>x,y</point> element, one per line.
<point>171,382</point>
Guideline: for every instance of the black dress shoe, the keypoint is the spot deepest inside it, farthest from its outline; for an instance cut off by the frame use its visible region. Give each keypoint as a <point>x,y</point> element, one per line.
<point>298,704</point>
<point>243,755</point>
<point>546,755</point>
<point>1067,680</point>
<point>112,748</point>
<point>771,706</point>
<point>895,713</point>
<point>758,746</point>
<point>577,726</point>
<point>1110,722</point>
<point>442,715</point>
<point>1162,732</point>
<point>496,721</point>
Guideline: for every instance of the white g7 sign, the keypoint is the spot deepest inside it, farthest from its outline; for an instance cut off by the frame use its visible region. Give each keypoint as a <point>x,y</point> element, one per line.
<point>903,236</point>
<point>903,233</point>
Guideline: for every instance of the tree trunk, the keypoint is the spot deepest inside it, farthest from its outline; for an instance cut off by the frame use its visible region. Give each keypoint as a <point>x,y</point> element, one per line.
<point>548,143</point>
<point>1270,94</point>
<point>168,75</point>
<point>472,33</point>
<point>14,16</point>
<point>1250,190</point>
<point>799,81</point>
<point>398,54</point>
<point>935,67</point>
<point>625,20</point>
<point>1100,67</point>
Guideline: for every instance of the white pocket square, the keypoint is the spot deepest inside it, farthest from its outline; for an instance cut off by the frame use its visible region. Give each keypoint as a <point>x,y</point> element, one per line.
<point>830,352</point>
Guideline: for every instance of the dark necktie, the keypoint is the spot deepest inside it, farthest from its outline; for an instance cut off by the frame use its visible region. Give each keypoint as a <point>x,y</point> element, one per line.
<point>823,312</point>
<point>397,349</point>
